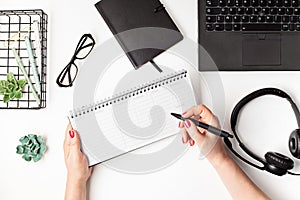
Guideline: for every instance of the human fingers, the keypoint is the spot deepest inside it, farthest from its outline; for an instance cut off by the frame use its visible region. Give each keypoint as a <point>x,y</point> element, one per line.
<point>203,114</point>
<point>202,130</point>
<point>180,124</point>
<point>72,143</point>
<point>193,132</point>
<point>186,138</point>
<point>66,140</point>
<point>191,142</point>
<point>202,111</point>
<point>73,140</point>
<point>91,169</point>
<point>69,127</point>
<point>185,135</point>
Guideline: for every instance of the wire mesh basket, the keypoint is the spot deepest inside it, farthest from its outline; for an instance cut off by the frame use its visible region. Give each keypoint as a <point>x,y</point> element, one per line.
<point>15,25</point>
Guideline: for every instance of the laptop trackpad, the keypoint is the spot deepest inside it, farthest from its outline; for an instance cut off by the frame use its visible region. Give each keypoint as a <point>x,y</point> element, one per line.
<point>261,49</point>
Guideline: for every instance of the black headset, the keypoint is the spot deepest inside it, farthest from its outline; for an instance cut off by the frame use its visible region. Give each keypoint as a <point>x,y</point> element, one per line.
<point>273,162</point>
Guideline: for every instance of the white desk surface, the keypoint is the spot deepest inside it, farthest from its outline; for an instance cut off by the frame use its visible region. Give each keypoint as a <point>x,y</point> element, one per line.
<point>188,178</point>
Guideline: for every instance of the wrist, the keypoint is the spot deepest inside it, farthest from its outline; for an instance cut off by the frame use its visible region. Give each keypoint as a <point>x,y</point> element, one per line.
<point>219,159</point>
<point>75,181</point>
<point>75,189</point>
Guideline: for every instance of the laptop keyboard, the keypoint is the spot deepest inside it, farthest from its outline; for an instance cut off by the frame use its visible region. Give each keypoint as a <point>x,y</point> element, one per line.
<point>252,15</point>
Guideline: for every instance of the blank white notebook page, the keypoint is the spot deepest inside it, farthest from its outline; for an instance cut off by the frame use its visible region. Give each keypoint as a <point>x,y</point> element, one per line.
<point>133,120</point>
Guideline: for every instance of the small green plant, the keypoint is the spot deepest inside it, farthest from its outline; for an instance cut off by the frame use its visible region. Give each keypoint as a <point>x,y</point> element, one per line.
<point>11,88</point>
<point>32,147</point>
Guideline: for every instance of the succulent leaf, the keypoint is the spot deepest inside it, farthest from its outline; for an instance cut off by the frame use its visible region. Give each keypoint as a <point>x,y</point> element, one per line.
<point>32,147</point>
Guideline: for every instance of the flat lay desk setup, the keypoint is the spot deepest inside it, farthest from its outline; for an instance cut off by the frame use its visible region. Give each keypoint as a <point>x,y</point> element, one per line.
<point>265,125</point>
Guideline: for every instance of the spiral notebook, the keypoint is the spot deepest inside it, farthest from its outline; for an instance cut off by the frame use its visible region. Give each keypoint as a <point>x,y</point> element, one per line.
<point>132,119</point>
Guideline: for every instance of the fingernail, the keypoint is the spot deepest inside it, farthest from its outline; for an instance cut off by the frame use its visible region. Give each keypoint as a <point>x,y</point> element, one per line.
<point>71,133</point>
<point>187,123</point>
<point>184,113</point>
<point>182,140</point>
<point>192,142</point>
<point>179,124</point>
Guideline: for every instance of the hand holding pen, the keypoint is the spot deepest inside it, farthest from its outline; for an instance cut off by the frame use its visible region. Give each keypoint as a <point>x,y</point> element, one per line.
<point>214,130</point>
<point>209,144</point>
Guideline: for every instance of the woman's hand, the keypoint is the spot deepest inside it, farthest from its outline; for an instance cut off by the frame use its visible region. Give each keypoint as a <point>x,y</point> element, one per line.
<point>77,166</point>
<point>236,181</point>
<point>208,143</point>
<point>76,161</point>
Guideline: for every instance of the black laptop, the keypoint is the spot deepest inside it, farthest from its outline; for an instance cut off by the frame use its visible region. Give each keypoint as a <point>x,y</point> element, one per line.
<point>246,35</point>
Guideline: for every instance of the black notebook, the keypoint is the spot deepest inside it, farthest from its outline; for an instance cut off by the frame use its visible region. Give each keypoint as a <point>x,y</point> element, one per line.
<point>125,15</point>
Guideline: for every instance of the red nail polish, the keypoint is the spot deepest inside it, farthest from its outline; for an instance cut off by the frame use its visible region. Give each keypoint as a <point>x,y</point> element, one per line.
<point>71,133</point>
<point>187,123</point>
<point>179,124</point>
<point>184,113</point>
<point>192,142</point>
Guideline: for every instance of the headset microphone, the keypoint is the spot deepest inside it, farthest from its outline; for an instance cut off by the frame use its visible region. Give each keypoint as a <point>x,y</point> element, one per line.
<point>273,162</point>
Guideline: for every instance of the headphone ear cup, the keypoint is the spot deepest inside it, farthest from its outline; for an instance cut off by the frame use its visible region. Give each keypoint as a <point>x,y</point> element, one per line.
<point>294,143</point>
<point>279,160</point>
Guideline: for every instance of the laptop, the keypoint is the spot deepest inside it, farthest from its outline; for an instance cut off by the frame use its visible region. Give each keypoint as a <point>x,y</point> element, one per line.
<point>250,35</point>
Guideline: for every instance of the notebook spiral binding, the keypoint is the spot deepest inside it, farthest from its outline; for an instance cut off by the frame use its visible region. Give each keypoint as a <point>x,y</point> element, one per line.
<point>165,80</point>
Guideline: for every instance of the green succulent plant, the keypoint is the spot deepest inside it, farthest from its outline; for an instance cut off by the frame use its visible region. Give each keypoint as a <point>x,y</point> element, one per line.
<point>11,88</point>
<point>32,147</point>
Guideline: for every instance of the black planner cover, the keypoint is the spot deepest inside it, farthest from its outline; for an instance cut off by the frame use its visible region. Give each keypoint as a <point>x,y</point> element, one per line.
<point>125,15</point>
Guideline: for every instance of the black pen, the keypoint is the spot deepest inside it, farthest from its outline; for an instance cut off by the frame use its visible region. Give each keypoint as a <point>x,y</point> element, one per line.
<point>207,127</point>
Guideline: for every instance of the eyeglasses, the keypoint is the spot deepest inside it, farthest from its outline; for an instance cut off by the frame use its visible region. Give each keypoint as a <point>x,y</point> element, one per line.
<point>68,75</point>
